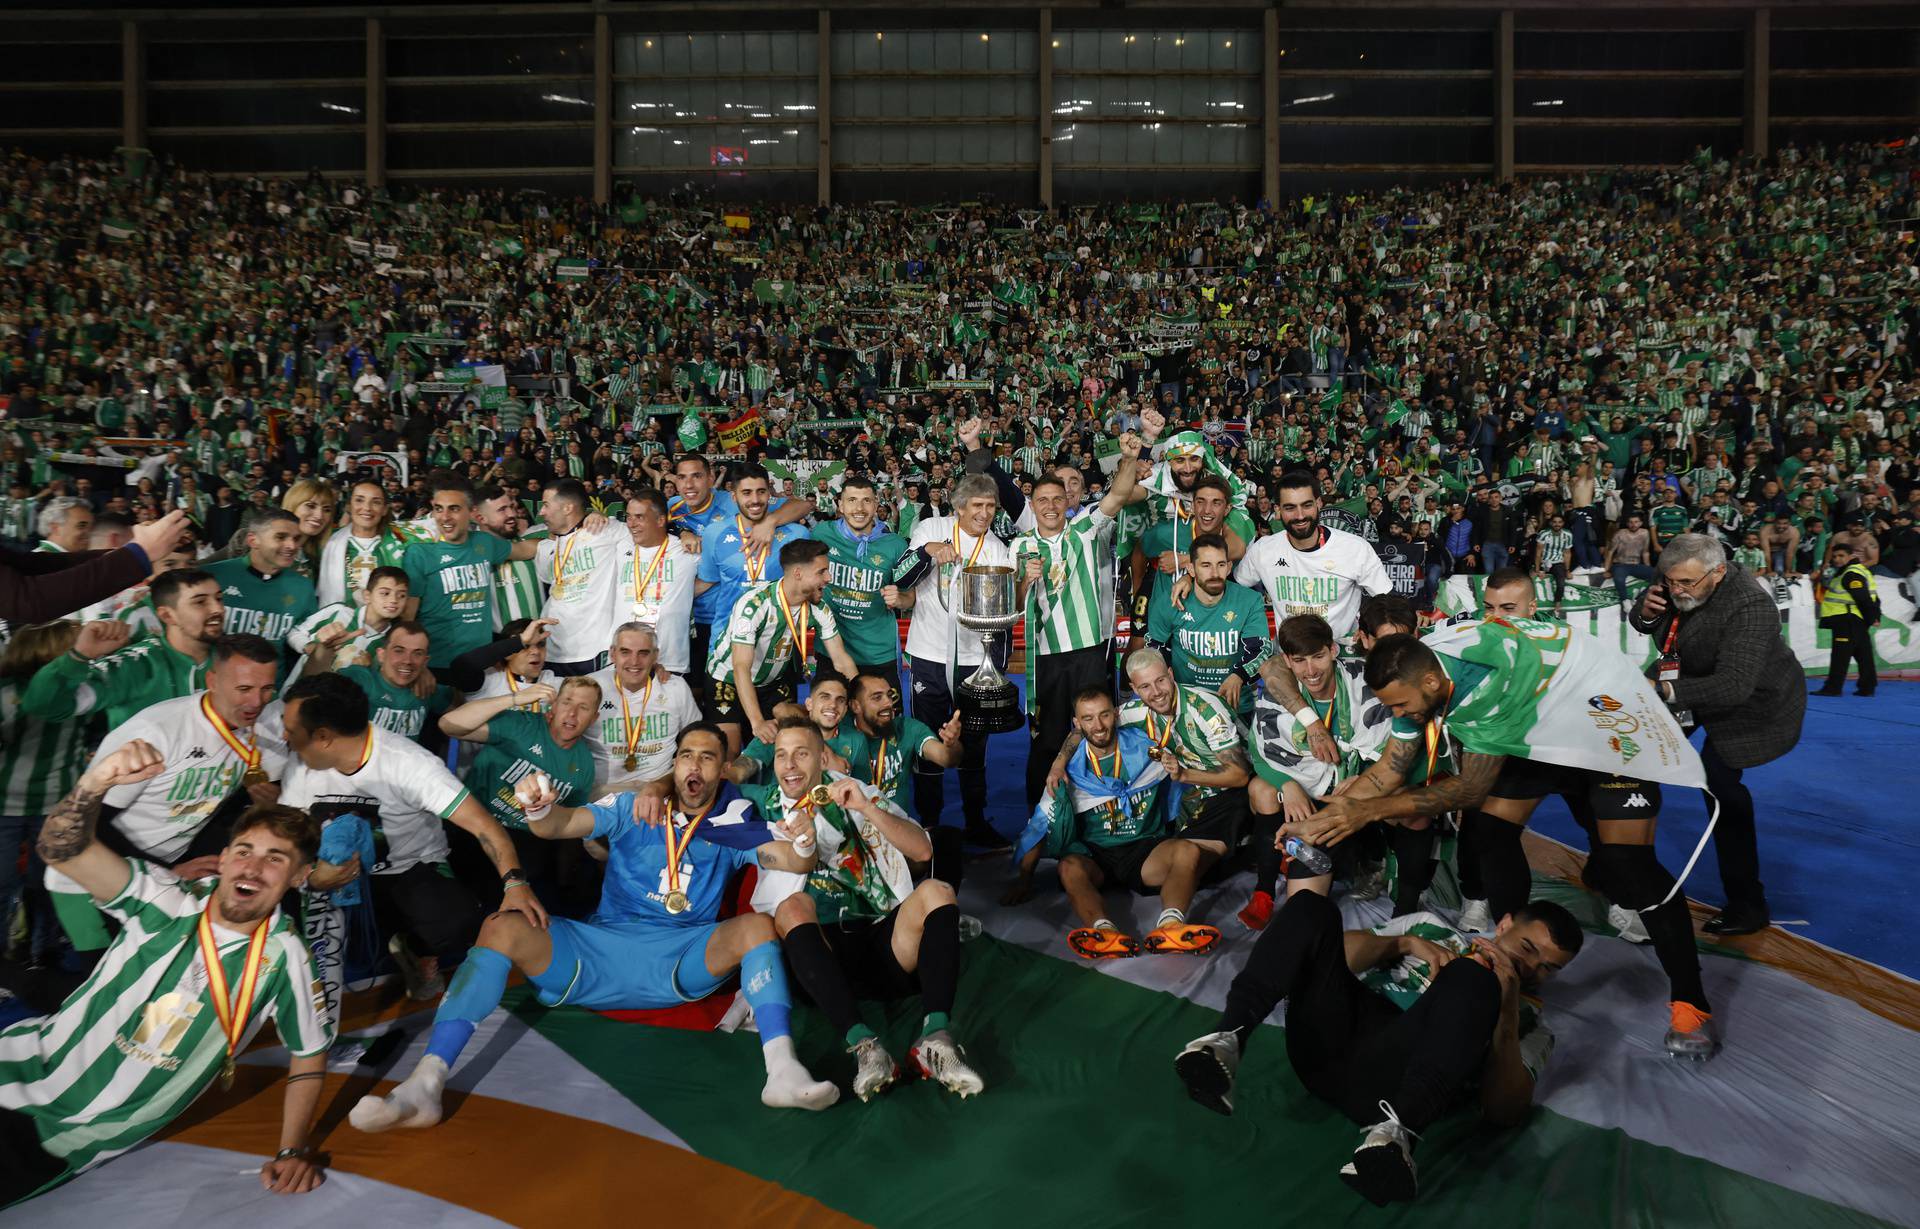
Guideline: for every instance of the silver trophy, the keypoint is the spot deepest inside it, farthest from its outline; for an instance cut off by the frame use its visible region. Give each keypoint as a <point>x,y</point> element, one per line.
<point>988,703</point>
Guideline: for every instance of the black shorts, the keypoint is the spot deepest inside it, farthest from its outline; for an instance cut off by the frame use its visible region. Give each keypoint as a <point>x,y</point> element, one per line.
<point>1222,818</point>
<point>1120,865</point>
<point>723,706</point>
<point>864,951</point>
<point>1590,795</point>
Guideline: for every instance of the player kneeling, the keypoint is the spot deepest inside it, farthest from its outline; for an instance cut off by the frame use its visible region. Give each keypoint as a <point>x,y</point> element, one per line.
<point>656,941</point>
<point>861,929</point>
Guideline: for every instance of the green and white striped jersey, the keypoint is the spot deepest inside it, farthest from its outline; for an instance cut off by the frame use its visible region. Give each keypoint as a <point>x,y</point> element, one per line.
<point>39,760</point>
<point>139,1040</point>
<point>1205,731</point>
<point>517,591</point>
<point>759,621</point>
<point>1554,546</point>
<point>1073,599</point>
<point>120,684</point>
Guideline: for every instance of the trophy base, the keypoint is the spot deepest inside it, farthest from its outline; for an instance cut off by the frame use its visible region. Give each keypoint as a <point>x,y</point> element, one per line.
<point>989,710</point>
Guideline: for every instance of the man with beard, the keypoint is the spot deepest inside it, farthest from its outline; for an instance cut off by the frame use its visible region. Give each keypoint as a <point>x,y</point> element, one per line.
<point>209,752</point>
<point>262,592</point>
<point>895,742</point>
<point>862,556</point>
<point>1402,1019</point>
<point>656,941</point>
<point>517,591</point>
<point>860,928</point>
<point>138,1042</point>
<point>1310,569</point>
<point>732,567</point>
<point>940,653</point>
<point>772,631</point>
<point>104,673</point>
<point>1064,573</point>
<point>1219,640</point>
<point>1166,549</point>
<point>392,683</point>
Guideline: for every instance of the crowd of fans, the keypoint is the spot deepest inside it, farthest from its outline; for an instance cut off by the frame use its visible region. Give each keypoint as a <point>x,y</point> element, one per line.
<point>459,510</point>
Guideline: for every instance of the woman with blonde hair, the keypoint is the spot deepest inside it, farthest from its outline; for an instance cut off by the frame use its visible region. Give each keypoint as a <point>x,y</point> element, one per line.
<point>369,539</point>
<point>313,501</point>
<point>39,763</point>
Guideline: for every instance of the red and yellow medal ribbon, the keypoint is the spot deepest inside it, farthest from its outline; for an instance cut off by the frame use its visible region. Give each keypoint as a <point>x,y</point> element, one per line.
<point>677,844</point>
<point>977,544</point>
<point>756,563</point>
<point>879,765</point>
<point>560,563</point>
<point>802,642</point>
<point>627,723</point>
<point>640,582</point>
<point>1112,806</point>
<point>232,1009</point>
<point>1437,732</point>
<point>1161,736</point>
<point>248,751</point>
<point>513,688</point>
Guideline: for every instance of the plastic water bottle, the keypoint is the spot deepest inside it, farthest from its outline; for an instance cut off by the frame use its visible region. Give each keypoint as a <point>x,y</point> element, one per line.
<point>1314,858</point>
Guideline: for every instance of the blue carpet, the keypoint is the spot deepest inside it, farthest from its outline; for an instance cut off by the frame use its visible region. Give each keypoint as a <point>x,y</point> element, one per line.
<point>1837,833</point>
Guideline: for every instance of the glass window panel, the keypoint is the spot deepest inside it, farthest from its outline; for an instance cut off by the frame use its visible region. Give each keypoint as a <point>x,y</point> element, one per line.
<point>69,62</point>
<point>1159,97</point>
<point>935,144</point>
<point>1627,49</point>
<point>1437,97</point>
<point>248,106</point>
<point>409,104</point>
<point>702,52</point>
<point>1384,144</point>
<point>343,151</point>
<point>1844,48</point>
<point>1664,97</point>
<point>456,56</point>
<point>211,61</point>
<point>490,147</point>
<point>1086,186</point>
<point>1849,96</point>
<point>1368,50</point>
<point>693,145</point>
<point>1619,146</point>
<point>61,108</point>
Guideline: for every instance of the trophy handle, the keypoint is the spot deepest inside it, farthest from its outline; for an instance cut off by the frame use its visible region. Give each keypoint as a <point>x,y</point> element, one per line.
<point>943,585</point>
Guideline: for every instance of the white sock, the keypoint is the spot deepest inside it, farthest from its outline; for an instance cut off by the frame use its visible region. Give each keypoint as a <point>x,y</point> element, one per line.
<point>1101,923</point>
<point>414,1103</point>
<point>789,1084</point>
<point>1171,917</point>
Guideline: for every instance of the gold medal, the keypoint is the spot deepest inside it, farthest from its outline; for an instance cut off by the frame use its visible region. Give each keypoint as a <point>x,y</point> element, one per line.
<point>1056,575</point>
<point>677,901</point>
<point>819,795</point>
<point>254,776</point>
<point>632,762</point>
<point>226,1074</point>
<point>232,1006</point>
<point>677,842</point>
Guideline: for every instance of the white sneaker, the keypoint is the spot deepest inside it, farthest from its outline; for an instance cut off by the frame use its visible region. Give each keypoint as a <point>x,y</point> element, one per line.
<point>1628,923</point>
<point>1382,1166</point>
<point>874,1070</point>
<point>1207,1067</point>
<point>1476,916</point>
<point>939,1057</point>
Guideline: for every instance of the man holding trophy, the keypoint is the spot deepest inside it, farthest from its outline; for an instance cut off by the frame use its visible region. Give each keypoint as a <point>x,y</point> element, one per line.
<point>962,578</point>
<point>1065,575</point>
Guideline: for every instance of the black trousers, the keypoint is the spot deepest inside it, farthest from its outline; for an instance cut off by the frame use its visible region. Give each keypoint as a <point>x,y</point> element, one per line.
<point>699,641</point>
<point>1735,838</point>
<point>1852,641</point>
<point>438,913</point>
<point>933,704</point>
<point>25,1166</point>
<point>1057,677</point>
<point>1350,1046</point>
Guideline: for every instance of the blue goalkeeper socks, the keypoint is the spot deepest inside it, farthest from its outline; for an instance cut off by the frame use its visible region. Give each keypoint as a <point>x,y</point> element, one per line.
<point>476,990</point>
<point>764,978</point>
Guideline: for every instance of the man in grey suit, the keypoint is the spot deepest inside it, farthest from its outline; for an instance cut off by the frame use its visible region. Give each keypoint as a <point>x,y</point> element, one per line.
<point>1725,661</point>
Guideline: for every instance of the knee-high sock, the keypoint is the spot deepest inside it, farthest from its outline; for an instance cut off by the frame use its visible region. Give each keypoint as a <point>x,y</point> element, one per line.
<point>1266,859</point>
<point>1503,866</point>
<point>1413,857</point>
<point>940,959</point>
<point>1467,854</point>
<point>1631,876</point>
<point>764,979</point>
<point>819,972</point>
<point>475,992</point>
<point>949,852</point>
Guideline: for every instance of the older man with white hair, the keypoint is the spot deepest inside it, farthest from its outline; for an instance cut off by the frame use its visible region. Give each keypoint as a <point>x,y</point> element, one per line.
<point>1723,660</point>
<point>940,653</point>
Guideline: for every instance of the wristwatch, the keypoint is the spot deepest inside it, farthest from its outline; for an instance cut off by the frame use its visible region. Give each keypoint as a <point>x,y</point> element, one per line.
<point>286,1153</point>
<point>513,877</point>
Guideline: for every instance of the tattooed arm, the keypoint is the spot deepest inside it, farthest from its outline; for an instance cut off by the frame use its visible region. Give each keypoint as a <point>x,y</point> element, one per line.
<point>67,839</point>
<point>1341,817</point>
<point>498,847</point>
